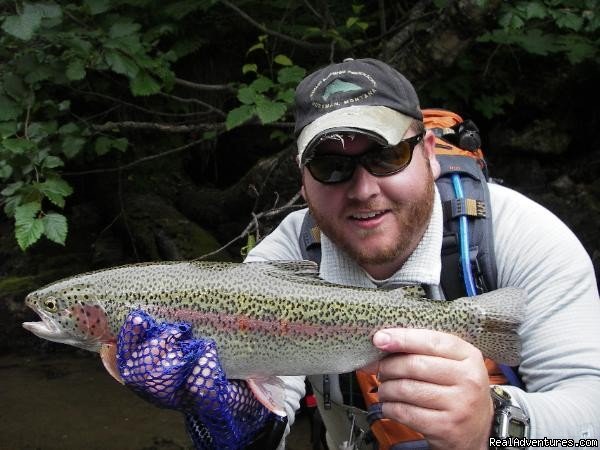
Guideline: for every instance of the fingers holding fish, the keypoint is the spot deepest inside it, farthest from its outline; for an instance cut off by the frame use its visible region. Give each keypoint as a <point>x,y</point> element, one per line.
<point>433,369</point>
<point>440,388</point>
<point>424,342</point>
<point>415,392</point>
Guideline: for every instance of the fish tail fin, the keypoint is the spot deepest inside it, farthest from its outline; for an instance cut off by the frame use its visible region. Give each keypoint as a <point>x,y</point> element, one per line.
<point>502,312</point>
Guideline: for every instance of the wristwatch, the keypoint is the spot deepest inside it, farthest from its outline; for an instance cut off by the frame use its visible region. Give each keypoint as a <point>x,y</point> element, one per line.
<point>510,426</point>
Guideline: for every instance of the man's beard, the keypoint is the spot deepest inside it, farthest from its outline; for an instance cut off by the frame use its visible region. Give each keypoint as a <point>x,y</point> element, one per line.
<point>411,218</point>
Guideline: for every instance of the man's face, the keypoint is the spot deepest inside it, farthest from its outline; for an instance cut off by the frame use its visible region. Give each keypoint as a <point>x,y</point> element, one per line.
<point>377,220</point>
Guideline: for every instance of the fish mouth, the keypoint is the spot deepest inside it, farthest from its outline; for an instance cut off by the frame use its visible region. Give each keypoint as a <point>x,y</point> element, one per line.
<point>48,329</point>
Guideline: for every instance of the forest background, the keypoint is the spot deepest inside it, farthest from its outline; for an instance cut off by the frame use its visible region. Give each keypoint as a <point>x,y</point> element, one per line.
<point>144,130</point>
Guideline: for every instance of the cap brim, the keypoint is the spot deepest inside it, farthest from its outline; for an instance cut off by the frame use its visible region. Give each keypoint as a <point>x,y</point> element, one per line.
<point>385,122</point>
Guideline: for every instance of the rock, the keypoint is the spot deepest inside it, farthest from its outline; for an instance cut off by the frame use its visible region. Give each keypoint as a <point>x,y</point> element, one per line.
<point>542,137</point>
<point>158,231</point>
<point>563,185</point>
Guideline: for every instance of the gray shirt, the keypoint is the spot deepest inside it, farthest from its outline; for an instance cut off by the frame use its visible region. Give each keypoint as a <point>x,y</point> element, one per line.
<point>561,329</point>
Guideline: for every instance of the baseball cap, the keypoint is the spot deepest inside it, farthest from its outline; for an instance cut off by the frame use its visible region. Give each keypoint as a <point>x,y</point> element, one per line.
<point>356,95</point>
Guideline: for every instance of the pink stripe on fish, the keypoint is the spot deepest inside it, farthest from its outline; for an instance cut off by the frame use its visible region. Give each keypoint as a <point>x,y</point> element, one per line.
<point>237,322</point>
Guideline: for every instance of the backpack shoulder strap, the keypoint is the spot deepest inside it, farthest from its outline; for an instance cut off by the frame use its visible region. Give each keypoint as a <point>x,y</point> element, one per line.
<point>457,148</point>
<point>310,239</point>
<point>477,208</point>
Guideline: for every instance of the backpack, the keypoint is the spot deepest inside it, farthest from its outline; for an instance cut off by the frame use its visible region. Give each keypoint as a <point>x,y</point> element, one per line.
<point>468,260</point>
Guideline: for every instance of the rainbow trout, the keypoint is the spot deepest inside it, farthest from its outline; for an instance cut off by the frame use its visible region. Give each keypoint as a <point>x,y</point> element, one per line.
<point>267,318</point>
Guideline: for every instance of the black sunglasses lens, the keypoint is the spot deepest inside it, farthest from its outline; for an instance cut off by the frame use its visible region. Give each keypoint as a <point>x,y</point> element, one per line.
<point>379,161</point>
<point>389,160</point>
<point>331,168</point>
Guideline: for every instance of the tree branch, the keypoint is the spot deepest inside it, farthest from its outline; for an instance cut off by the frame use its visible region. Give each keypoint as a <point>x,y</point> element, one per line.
<point>298,42</point>
<point>314,11</point>
<point>253,225</point>
<point>162,127</point>
<point>206,87</point>
<point>194,101</point>
<point>151,111</point>
<point>137,161</point>
<point>170,128</point>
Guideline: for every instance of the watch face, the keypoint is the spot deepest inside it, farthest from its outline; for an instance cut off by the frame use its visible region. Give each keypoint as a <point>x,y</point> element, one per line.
<point>516,428</point>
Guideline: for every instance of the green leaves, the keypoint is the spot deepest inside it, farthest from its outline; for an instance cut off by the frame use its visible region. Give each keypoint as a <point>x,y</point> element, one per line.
<point>97,6</point>
<point>121,29</point>
<point>264,98</point>
<point>55,227</point>
<point>548,27</point>
<point>24,202</point>
<point>105,144</point>
<point>31,224</point>
<point>28,225</point>
<point>283,60</point>
<point>45,62</point>
<point>24,25</point>
<point>144,84</point>
<point>269,111</point>
<point>55,189</point>
<point>239,115</point>
<point>9,109</point>
<point>291,75</point>
<point>491,106</point>
<point>17,146</point>
<point>121,63</point>
<point>75,70</point>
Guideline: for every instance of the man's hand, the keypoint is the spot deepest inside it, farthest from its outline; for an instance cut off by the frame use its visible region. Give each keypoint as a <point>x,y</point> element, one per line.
<point>436,384</point>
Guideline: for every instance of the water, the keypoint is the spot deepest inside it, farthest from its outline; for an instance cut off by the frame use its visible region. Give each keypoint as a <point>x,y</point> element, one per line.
<point>69,402</point>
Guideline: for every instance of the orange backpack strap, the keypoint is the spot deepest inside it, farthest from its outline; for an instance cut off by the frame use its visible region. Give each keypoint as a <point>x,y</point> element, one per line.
<point>494,373</point>
<point>388,433</point>
<point>392,435</point>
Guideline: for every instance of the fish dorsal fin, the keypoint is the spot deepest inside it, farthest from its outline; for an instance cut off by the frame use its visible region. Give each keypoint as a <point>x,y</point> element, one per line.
<point>301,271</point>
<point>302,268</point>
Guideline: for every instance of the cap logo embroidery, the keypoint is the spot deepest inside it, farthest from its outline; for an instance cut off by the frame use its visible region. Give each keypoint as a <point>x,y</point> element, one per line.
<point>340,86</point>
<point>343,81</point>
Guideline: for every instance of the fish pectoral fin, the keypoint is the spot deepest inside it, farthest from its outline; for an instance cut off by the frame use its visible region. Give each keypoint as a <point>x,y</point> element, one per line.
<point>108,354</point>
<point>270,391</point>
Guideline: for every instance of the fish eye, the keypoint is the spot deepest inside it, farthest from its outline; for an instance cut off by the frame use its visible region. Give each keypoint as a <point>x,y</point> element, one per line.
<point>50,304</point>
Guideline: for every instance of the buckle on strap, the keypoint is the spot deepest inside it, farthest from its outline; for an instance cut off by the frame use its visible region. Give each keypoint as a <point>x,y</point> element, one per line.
<point>464,207</point>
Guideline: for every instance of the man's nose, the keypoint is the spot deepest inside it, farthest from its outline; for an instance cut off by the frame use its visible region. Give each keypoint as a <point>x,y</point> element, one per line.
<point>363,185</point>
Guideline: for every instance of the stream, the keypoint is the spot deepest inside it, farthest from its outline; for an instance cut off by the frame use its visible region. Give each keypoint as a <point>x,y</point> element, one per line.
<point>67,401</point>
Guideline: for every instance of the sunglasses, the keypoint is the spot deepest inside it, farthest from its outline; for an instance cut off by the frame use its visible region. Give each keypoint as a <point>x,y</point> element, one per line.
<point>380,161</point>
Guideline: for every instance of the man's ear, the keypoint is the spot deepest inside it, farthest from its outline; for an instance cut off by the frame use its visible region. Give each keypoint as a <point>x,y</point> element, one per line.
<point>302,193</point>
<point>429,153</point>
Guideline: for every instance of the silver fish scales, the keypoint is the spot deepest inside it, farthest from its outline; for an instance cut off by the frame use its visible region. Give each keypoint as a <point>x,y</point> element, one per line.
<point>271,318</point>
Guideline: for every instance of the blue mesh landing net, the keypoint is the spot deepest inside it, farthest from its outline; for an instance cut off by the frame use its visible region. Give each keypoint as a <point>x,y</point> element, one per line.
<point>165,365</point>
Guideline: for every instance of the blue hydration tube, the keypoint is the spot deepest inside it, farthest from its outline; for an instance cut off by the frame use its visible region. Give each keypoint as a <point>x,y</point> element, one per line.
<point>465,261</point>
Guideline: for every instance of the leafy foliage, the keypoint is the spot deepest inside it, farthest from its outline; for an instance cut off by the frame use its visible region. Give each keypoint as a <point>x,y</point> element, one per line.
<point>80,81</point>
<point>263,97</point>
<point>546,27</point>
